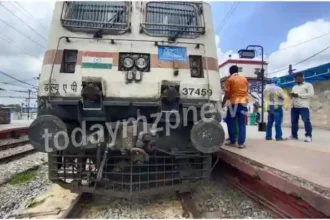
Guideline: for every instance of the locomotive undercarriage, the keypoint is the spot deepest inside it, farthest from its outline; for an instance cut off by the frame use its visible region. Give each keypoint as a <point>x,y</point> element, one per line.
<point>144,161</point>
<point>172,167</point>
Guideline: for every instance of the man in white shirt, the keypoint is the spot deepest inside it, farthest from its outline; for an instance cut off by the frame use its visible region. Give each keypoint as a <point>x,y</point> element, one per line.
<point>301,94</point>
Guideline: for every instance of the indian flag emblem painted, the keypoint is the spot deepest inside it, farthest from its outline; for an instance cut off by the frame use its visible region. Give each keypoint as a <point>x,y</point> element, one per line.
<point>92,62</point>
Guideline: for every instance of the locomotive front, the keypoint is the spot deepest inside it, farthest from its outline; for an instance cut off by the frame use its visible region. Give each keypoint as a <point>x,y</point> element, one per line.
<point>128,97</point>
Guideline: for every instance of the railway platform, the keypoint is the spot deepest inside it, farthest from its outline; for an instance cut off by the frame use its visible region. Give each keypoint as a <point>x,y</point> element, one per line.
<point>15,129</point>
<point>297,174</point>
<point>16,124</point>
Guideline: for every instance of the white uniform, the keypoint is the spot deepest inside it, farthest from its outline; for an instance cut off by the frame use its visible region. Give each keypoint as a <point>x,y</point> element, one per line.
<point>305,91</point>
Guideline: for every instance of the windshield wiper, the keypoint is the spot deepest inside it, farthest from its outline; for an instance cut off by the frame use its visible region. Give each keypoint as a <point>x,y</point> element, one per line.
<point>117,15</point>
<point>177,34</point>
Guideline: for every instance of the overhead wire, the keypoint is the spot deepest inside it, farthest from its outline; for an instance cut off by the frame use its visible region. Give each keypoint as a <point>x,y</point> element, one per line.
<point>306,41</point>
<point>6,74</point>
<point>302,61</point>
<point>9,40</point>
<point>28,13</point>
<point>13,84</point>
<point>32,29</point>
<point>6,39</point>
<point>14,90</point>
<point>25,80</point>
<point>9,25</point>
<point>17,97</point>
<point>228,15</point>
<point>298,44</point>
<point>21,49</point>
<point>225,18</point>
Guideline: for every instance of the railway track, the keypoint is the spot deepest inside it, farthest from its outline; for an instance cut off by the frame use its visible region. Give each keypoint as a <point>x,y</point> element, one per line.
<point>188,206</point>
<point>13,145</point>
<point>6,157</point>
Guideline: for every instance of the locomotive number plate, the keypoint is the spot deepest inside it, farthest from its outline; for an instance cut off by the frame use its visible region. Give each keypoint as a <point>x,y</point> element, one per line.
<point>196,91</point>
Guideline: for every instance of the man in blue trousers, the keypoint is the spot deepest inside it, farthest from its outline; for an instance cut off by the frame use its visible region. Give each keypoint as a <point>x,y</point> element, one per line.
<point>236,93</point>
<point>301,94</point>
<point>275,100</point>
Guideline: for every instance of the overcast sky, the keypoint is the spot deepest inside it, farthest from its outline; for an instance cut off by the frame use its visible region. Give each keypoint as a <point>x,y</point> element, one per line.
<point>23,41</point>
<point>275,25</point>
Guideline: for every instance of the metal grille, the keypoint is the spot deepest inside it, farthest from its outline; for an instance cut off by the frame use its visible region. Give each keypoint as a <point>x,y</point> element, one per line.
<point>120,175</point>
<point>92,16</point>
<point>184,19</point>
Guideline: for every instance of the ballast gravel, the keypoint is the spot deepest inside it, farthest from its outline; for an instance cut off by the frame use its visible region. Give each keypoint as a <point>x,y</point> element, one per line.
<point>16,150</point>
<point>13,196</point>
<point>213,199</point>
<point>13,140</point>
<point>219,199</point>
<point>17,166</point>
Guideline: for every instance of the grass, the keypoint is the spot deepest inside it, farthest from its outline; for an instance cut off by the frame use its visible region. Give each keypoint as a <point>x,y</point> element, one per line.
<point>23,177</point>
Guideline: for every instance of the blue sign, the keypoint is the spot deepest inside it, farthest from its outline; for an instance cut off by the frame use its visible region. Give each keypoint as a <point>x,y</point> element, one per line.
<point>172,53</point>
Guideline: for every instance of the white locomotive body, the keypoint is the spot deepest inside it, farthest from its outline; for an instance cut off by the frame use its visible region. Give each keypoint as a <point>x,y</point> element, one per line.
<point>111,61</point>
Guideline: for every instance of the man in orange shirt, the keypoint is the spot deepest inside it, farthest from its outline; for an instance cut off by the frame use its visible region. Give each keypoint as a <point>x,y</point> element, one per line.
<point>236,92</point>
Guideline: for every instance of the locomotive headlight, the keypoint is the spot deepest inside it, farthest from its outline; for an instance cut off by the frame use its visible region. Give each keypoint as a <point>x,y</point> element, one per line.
<point>194,63</point>
<point>128,62</point>
<point>194,72</point>
<point>141,63</point>
<point>196,66</point>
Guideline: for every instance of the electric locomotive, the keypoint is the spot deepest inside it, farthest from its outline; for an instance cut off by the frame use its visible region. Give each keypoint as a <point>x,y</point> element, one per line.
<point>125,97</point>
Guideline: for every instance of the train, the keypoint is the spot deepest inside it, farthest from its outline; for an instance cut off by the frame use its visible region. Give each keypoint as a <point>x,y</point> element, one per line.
<point>5,115</point>
<point>129,97</point>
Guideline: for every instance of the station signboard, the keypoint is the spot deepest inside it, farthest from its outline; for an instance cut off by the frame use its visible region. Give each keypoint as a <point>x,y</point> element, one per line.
<point>248,54</point>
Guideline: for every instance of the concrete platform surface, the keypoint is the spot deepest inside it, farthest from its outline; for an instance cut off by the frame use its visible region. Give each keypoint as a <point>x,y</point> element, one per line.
<point>16,124</point>
<point>309,161</point>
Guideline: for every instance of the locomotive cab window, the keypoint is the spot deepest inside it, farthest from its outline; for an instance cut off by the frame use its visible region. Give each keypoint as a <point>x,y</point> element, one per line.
<point>108,17</point>
<point>174,19</point>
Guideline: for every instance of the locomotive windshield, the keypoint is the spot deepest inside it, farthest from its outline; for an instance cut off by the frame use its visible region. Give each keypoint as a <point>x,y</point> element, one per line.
<point>110,17</point>
<point>174,19</point>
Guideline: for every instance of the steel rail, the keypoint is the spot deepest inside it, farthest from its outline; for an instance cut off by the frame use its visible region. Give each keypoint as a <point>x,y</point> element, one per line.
<point>74,209</point>
<point>16,156</point>
<point>13,145</point>
<point>188,206</point>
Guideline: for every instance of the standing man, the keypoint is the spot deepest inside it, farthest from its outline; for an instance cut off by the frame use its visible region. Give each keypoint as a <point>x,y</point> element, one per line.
<point>301,94</point>
<point>236,92</point>
<point>275,98</point>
